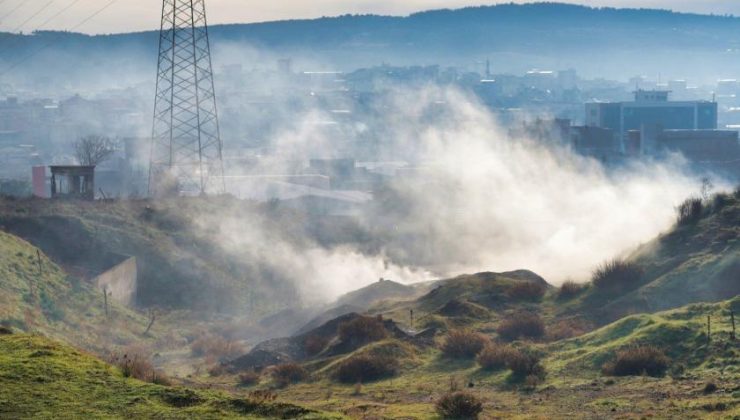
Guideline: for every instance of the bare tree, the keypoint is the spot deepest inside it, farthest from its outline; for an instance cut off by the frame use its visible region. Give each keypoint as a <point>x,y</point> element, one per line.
<point>93,150</point>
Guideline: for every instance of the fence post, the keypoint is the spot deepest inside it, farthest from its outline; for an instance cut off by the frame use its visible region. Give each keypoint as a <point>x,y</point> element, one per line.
<point>709,328</point>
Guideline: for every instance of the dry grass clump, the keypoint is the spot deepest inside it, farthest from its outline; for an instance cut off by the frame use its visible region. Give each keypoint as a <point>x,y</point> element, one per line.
<point>526,291</point>
<point>495,356</point>
<point>640,360</point>
<point>690,211</point>
<point>249,378</point>
<point>526,368</point>
<point>364,368</point>
<point>463,344</point>
<point>617,275</point>
<point>216,348</point>
<point>570,289</point>
<point>521,325</point>
<point>289,373</point>
<point>362,330</point>
<point>459,405</point>
<point>134,363</point>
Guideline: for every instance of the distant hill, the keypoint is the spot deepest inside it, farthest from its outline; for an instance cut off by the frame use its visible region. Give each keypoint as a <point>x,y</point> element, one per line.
<point>599,41</point>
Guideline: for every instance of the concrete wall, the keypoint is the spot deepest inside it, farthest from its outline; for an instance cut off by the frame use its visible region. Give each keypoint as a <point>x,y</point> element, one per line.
<point>120,281</point>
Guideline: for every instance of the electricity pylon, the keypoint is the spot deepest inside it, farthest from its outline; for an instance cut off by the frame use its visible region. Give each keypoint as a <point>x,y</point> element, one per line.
<point>186,148</point>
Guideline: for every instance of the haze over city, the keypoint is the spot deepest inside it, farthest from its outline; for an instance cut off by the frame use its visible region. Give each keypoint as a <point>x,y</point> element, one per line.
<point>372,209</point>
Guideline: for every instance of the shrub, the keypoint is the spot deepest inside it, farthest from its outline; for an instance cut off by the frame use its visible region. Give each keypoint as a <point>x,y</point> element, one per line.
<point>494,356</point>
<point>523,324</point>
<point>463,344</point>
<point>459,405</point>
<point>709,388</point>
<point>362,330</point>
<point>639,360</point>
<point>134,363</point>
<point>689,212</point>
<point>216,347</point>
<point>364,368</point>
<point>289,373</point>
<point>527,291</point>
<point>249,378</point>
<point>314,344</point>
<point>525,363</point>
<point>617,274</point>
<point>570,289</point>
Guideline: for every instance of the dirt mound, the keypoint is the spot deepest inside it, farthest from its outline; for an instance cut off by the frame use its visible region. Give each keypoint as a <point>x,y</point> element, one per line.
<point>297,349</point>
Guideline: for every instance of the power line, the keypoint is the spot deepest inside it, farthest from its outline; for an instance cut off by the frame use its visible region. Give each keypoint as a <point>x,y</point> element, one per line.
<point>57,14</point>
<point>38,12</point>
<point>56,38</point>
<point>15,9</point>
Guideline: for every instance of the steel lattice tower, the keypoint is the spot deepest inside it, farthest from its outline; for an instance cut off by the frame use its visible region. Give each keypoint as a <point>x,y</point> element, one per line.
<point>186,149</point>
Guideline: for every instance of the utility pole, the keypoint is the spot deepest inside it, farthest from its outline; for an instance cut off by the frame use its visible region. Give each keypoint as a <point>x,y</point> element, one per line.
<point>186,148</point>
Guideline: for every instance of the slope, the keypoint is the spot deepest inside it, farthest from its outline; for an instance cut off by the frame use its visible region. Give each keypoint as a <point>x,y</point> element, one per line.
<point>40,378</point>
<point>697,261</point>
<point>37,295</point>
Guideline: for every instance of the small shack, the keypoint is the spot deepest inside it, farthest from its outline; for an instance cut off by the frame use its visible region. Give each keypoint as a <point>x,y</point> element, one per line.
<point>73,182</point>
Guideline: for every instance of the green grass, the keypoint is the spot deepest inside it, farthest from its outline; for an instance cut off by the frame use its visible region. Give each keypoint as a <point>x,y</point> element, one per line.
<point>40,378</point>
<point>681,333</point>
<point>38,296</point>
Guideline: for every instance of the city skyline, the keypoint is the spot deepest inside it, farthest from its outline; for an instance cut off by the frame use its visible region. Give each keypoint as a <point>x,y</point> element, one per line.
<point>138,15</point>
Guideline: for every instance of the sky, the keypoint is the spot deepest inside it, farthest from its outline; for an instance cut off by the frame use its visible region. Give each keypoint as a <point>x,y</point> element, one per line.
<point>136,15</point>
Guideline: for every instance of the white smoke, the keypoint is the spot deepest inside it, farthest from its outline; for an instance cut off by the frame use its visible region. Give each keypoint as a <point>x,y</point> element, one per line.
<point>477,200</point>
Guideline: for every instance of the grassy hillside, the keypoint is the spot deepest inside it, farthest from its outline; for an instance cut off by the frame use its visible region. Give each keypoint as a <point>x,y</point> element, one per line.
<point>573,384</point>
<point>40,378</point>
<point>37,295</point>
<point>180,262</point>
<point>697,261</point>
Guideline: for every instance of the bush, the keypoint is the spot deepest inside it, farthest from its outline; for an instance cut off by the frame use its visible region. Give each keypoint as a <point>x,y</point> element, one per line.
<point>249,378</point>
<point>463,344</point>
<point>134,363</point>
<point>570,289</point>
<point>494,356</point>
<point>689,212</point>
<point>459,405</point>
<point>525,363</point>
<point>314,344</point>
<point>526,291</point>
<point>364,368</point>
<point>289,373</point>
<point>617,274</point>
<point>362,330</point>
<point>523,324</point>
<point>639,360</point>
